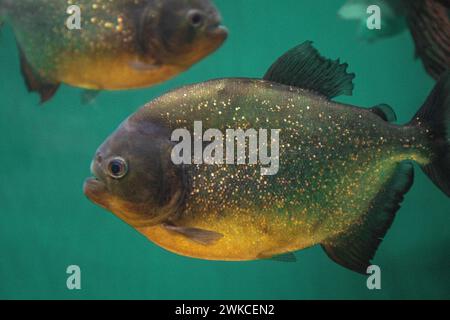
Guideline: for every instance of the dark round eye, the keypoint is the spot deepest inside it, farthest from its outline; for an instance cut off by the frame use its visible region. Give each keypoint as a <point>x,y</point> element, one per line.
<point>117,168</point>
<point>196,18</point>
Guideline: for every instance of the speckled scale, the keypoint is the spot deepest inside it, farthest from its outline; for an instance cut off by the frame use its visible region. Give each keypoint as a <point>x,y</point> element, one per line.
<point>333,158</point>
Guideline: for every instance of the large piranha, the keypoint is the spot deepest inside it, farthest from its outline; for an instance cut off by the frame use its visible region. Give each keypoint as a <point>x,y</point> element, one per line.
<point>343,170</point>
<point>122,44</point>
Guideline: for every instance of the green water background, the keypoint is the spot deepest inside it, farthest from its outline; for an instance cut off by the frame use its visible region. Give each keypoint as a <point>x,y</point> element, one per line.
<point>46,223</point>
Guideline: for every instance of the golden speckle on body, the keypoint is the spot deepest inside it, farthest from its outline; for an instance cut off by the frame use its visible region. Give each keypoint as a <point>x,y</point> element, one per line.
<point>333,159</point>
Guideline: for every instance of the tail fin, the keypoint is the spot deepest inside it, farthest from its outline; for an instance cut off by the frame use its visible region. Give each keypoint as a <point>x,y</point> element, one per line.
<point>430,27</point>
<point>435,115</point>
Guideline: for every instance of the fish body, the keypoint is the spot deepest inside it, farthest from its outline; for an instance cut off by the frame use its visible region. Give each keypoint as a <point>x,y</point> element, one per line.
<point>121,44</point>
<point>342,173</point>
<point>334,159</point>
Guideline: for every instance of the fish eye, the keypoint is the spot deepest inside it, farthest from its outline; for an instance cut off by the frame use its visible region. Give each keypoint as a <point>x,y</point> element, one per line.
<point>117,168</point>
<point>196,18</point>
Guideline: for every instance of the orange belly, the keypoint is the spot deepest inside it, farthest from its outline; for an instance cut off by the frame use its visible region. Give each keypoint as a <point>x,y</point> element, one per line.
<point>111,73</point>
<point>248,237</point>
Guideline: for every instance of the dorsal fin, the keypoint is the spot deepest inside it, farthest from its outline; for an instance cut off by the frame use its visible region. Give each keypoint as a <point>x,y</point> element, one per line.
<point>304,67</point>
<point>356,248</point>
<point>385,112</point>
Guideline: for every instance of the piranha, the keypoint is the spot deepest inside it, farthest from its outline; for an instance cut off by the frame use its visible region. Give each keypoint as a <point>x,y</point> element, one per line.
<point>343,169</point>
<point>428,21</point>
<point>122,44</point>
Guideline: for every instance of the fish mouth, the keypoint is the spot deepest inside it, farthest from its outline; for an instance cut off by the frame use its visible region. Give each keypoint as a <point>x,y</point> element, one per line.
<point>93,186</point>
<point>95,190</point>
<point>219,31</point>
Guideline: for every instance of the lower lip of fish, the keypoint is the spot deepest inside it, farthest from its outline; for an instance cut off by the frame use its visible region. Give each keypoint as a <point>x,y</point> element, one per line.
<point>219,31</point>
<point>92,187</point>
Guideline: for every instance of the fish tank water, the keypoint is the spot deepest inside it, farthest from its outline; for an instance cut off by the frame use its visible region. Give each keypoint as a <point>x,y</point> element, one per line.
<point>47,224</point>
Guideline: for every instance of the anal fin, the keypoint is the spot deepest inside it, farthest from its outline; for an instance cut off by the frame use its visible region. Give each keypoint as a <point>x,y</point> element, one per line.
<point>356,248</point>
<point>34,82</point>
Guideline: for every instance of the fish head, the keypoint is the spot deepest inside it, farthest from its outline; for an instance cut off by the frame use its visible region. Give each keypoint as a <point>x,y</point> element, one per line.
<point>187,31</point>
<point>134,177</point>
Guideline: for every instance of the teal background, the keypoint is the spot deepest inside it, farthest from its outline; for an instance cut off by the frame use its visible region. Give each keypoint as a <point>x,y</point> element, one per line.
<point>46,223</point>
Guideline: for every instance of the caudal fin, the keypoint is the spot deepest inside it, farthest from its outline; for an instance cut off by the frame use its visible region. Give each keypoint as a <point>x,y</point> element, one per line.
<point>430,27</point>
<point>435,116</point>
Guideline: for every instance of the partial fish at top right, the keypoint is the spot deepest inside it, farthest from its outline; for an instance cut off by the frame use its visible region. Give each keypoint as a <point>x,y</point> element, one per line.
<point>427,20</point>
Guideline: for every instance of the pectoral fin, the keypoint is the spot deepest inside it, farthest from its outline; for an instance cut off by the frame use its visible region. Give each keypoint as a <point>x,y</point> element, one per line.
<point>201,236</point>
<point>143,66</point>
<point>88,96</point>
<point>285,257</point>
<point>34,82</point>
<point>304,67</point>
<point>356,248</point>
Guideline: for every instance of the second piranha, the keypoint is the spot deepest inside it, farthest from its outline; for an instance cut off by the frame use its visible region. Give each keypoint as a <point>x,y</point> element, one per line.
<point>121,44</point>
<point>343,170</point>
